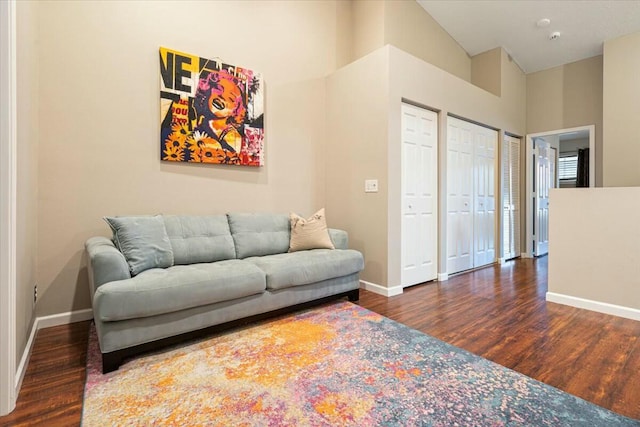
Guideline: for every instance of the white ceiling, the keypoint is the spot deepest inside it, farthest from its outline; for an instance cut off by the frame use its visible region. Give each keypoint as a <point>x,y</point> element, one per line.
<point>584,25</point>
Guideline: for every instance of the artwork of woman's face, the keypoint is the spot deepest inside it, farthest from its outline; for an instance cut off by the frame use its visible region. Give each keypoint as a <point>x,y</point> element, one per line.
<point>224,99</point>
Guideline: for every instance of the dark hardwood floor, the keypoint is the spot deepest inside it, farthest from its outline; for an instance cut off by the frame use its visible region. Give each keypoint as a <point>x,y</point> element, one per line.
<point>51,393</point>
<point>498,312</point>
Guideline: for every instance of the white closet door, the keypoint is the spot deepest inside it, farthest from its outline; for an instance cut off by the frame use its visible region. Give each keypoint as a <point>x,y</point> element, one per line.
<point>419,195</point>
<point>459,195</point>
<point>511,196</point>
<point>515,194</point>
<point>506,199</point>
<point>484,218</point>
<point>543,182</point>
<point>471,195</point>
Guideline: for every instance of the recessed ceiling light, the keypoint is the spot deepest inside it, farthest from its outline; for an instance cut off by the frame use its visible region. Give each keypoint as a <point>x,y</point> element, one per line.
<point>544,22</point>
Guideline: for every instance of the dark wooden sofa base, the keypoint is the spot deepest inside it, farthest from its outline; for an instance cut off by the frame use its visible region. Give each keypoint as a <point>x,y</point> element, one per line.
<point>112,361</point>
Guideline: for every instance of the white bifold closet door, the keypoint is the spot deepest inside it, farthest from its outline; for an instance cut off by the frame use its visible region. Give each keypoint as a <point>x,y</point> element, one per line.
<point>471,197</point>
<point>511,196</point>
<point>459,195</point>
<point>419,249</point>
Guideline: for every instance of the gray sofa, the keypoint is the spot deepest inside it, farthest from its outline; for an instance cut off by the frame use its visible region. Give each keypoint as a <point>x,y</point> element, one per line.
<point>223,270</point>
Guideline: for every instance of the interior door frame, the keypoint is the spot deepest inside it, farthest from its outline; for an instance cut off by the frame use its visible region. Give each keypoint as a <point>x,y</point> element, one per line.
<point>529,164</point>
<point>8,171</point>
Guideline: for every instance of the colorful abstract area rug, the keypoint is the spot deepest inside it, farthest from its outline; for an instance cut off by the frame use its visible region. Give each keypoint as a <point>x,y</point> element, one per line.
<point>336,365</point>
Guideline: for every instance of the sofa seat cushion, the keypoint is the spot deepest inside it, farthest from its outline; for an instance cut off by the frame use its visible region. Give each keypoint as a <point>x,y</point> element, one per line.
<point>304,267</point>
<point>159,291</point>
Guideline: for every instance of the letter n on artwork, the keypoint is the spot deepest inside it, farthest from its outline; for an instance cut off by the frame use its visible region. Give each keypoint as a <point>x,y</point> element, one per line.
<point>210,112</point>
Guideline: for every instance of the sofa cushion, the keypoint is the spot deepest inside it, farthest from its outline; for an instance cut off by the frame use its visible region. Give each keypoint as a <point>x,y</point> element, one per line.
<point>304,267</point>
<point>309,233</point>
<point>143,241</point>
<point>197,239</point>
<point>159,291</point>
<point>339,238</point>
<point>259,234</point>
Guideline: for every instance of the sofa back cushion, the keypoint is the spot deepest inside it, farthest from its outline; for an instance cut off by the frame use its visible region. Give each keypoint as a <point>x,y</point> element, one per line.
<point>143,241</point>
<point>199,239</point>
<point>257,234</point>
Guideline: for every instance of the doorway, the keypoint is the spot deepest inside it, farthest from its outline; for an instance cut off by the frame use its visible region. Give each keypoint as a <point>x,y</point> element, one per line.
<point>543,169</point>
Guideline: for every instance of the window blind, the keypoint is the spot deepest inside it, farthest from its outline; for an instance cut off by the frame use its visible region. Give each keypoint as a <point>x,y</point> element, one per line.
<point>568,167</point>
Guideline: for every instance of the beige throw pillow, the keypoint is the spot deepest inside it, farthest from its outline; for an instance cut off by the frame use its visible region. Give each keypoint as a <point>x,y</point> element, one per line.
<point>311,233</point>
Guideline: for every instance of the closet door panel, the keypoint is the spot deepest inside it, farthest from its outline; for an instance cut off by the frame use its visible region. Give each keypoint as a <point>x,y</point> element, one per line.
<point>544,181</point>
<point>459,195</point>
<point>511,196</point>
<point>485,210</point>
<point>471,195</point>
<point>419,195</point>
<point>515,194</point>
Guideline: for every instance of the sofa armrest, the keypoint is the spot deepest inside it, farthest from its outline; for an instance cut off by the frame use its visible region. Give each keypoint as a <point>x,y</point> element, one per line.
<point>106,263</point>
<point>340,238</point>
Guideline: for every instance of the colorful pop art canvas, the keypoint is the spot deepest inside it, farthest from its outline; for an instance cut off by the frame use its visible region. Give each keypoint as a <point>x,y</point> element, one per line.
<point>210,112</point>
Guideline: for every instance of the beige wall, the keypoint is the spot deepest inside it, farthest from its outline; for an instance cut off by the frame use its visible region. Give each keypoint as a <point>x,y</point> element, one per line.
<point>27,170</point>
<point>356,150</point>
<point>486,70</point>
<point>568,96</point>
<point>621,105</point>
<point>344,32</point>
<point>545,100</point>
<point>99,116</point>
<point>583,93</point>
<point>406,25</point>
<point>368,26</point>
<point>409,27</point>
<point>370,121</point>
<point>587,260</point>
<point>514,89</point>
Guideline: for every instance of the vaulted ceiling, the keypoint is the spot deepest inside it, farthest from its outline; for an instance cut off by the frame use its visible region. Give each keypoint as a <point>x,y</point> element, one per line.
<point>583,26</point>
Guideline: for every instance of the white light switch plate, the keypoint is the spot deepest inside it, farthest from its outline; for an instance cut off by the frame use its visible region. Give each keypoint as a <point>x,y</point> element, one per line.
<point>370,185</point>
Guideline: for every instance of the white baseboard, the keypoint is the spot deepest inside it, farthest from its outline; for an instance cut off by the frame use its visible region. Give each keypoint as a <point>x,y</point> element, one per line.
<point>46,322</point>
<point>443,276</point>
<point>501,261</point>
<point>526,255</point>
<point>64,318</point>
<point>600,307</point>
<point>26,355</point>
<point>381,290</point>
